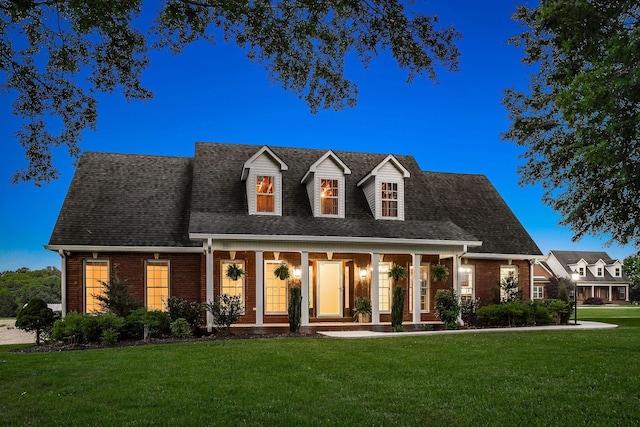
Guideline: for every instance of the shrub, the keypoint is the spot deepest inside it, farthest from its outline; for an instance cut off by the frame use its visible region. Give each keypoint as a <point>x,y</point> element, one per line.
<point>557,308</point>
<point>493,315</point>
<point>191,311</point>
<point>447,307</point>
<point>36,317</point>
<point>468,308</point>
<point>117,297</point>
<point>295,308</point>
<point>157,323</point>
<point>226,310</point>
<point>518,313</point>
<point>542,316</point>
<point>593,301</point>
<point>397,308</point>
<point>110,336</point>
<point>180,328</point>
<point>69,329</point>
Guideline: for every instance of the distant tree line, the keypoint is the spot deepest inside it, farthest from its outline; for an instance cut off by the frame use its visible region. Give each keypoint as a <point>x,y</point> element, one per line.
<point>20,286</point>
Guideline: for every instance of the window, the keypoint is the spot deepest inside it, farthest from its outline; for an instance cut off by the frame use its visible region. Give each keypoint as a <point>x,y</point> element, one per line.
<point>265,194</point>
<point>389,199</point>
<point>508,283</point>
<point>229,286</point>
<point>617,271</point>
<point>95,274</point>
<point>275,290</point>
<point>538,292</point>
<point>623,292</point>
<point>384,288</point>
<point>466,277</point>
<point>599,271</point>
<point>329,197</point>
<point>581,271</point>
<point>424,288</point>
<point>157,289</point>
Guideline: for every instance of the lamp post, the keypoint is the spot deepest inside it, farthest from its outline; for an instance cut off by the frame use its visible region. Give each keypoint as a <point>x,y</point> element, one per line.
<point>575,276</point>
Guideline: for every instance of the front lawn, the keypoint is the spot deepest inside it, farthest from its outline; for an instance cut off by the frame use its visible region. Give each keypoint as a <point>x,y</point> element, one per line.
<point>518,378</point>
<point>626,315</point>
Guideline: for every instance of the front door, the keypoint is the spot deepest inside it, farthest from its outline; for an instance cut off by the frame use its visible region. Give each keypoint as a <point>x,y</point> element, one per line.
<point>329,288</point>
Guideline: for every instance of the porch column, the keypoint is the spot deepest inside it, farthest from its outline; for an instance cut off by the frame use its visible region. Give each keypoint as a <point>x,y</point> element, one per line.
<point>209,282</point>
<point>375,289</point>
<point>416,288</point>
<point>531,266</point>
<point>259,288</point>
<point>610,293</point>
<point>626,293</point>
<point>593,291</point>
<point>457,264</point>
<point>304,267</point>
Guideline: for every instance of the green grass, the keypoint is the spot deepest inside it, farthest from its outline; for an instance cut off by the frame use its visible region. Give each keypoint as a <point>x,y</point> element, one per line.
<point>516,378</point>
<point>622,315</point>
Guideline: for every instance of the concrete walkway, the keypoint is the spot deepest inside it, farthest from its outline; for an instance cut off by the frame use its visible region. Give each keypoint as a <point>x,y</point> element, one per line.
<point>582,325</point>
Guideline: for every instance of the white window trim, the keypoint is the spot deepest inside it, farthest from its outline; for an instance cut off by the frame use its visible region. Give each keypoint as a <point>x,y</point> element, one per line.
<point>400,200</point>
<point>277,192</point>
<point>84,279</point>
<point>269,266</point>
<point>427,296</point>
<point>157,262</point>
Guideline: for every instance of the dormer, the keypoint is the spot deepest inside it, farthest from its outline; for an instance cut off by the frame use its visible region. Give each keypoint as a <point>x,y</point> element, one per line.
<point>384,189</point>
<point>615,268</point>
<point>262,174</point>
<point>597,269</point>
<point>580,267</point>
<point>324,181</point>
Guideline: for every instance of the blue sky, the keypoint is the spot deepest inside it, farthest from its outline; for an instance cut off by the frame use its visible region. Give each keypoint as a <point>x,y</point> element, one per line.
<point>213,93</point>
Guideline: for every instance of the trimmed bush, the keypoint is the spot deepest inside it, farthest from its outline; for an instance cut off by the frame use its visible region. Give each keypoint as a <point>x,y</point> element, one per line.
<point>593,301</point>
<point>295,308</point>
<point>158,324</point>
<point>226,310</point>
<point>468,308</point>
<point>36,317</point>
<point>69,329</point>
<point>397,308</point>
<point>191,311</point>
<point>447,307</point>
<point>180,328</point>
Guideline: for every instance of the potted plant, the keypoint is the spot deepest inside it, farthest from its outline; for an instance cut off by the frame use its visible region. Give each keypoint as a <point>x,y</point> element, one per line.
<point>363,310</point>
<point>282,271</point>
<point>439,272</point>
<point>234,272</point>
<point>397,272</point>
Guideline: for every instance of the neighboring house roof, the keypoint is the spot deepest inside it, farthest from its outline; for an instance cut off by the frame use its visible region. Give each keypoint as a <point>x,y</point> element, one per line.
<point>561,262</point>
<point>542,273</point>
<point>120,200</point>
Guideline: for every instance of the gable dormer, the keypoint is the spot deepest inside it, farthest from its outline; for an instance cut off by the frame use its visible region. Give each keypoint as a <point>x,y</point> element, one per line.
<point>579,267</point>
<point>597,269</point>
<point>384,189</point>
<point>325,185</point>
<point>615,268</point>
<point>263,176</point>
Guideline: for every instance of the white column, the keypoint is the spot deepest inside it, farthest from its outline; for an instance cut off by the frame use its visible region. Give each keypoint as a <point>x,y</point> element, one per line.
<point>457,264</point>
<point>416,288</point>
<point>304,268</point>
<point>531,267</point>
<point>610,293</point>
<point>63,281</point>
<point>375,289</point>
<point>593,291</point>
<point>259,288</point>
<point>626,293</point>
<point>209,281</point>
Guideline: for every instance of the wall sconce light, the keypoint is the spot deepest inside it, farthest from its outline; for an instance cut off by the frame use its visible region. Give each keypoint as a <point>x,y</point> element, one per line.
<point>297,273</point>
<point>363,273</point>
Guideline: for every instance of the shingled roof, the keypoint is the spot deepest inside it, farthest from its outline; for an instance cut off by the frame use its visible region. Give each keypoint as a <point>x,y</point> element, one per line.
<point>120,200</point>
<point>567,258</point>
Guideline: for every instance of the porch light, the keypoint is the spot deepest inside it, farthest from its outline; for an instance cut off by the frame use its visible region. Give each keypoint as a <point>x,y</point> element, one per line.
<point>363,273</point>
<point>297,273</point>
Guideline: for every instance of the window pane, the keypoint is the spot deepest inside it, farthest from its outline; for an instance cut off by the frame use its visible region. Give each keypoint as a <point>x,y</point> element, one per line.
<point>95,273</point>
<point>384,290</point>
<point>157,285</point>
<point>275,291</point>
<point>329,196</point>
<point>389,199</point>
<point>264,194</point>
<point>424,288</point>
<point>229,286</point>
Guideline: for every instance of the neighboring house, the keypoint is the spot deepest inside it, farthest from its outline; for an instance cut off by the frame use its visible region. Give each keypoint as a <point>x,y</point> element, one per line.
<point>171,226</point>
<point>600,276</point>
<point>542,276</point>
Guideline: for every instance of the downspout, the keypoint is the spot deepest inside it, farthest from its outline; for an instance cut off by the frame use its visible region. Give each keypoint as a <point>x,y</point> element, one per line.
<point>63,280</point>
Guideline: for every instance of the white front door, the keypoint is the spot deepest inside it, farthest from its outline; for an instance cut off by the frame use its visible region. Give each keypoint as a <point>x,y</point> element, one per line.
<point>329,288</point>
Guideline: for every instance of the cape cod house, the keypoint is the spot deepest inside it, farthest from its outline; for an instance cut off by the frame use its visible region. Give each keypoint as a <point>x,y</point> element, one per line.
<point>171,226</point>
<point>599,276</point>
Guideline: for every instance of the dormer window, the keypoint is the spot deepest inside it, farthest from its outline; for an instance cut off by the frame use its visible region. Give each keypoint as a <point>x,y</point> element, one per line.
<point>617,271</point>
<point>262,174</point>
<point>384,189</point>
<point>325,183</point>
<point>389,199</point>
<point>265,195</point>
<point>329,200</point>
<point>599,271</point>
<point>581,271</point>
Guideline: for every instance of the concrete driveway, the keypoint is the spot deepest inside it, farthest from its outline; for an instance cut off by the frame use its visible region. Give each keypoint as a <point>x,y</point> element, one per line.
<point>9,334</point>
